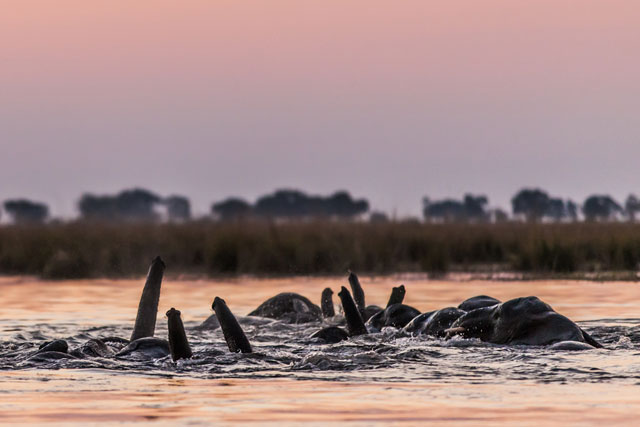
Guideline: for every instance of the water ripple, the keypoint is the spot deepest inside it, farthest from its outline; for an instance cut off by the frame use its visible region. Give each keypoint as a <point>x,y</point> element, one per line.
<point>286,350</point>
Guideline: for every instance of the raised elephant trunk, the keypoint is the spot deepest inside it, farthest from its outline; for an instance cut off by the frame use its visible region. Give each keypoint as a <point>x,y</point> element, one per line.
<point>148,308</point>
<point>358,292</point>
<point>397,295</point>
<point>178,343</point>
<point>355,325</point>
<point>326,303</point>
<point>234,335</point>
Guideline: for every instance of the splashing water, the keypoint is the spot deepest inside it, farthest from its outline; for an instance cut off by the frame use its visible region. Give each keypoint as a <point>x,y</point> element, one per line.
<point>376,377</point>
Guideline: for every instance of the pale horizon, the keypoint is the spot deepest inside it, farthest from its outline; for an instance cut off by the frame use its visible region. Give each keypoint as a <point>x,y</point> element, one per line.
<point>389,102</point>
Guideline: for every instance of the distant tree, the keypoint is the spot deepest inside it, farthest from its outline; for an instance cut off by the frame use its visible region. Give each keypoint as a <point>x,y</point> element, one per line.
<point>499,215</point>
<point>282,203</point>
<point>178,208</point>
<point>292,204</point>
<point>231,209</point>
<point>447,210</point>
<point>137,204</point>
<point>98,207</point>
<point>471,208</point>
<point>600,208</point>
<point>632,207</point>
<point>24,211</point>
<point>572,210</point>
<point>342,205</point>
<point>532,203</point>
<point>378,217</point>
<point>556,210</point>
<point>128,205</point>
<point>475,207</point>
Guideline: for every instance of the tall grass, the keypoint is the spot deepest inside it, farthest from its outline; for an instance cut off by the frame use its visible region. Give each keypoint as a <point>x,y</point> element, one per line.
<point>79,250</point>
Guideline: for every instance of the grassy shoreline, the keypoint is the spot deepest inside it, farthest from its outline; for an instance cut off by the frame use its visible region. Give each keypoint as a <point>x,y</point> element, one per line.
<point>208,249</point>
<point>400,277</point>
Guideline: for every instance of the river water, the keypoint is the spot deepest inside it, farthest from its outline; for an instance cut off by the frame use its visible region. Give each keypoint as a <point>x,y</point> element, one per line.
<point>289,379</point>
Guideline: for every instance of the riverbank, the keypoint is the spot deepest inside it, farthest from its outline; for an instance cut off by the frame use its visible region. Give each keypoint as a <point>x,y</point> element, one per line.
<point>596,251</point>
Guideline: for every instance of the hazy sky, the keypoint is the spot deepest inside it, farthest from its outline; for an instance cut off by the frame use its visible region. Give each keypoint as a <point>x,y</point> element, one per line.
<point>390,100</point>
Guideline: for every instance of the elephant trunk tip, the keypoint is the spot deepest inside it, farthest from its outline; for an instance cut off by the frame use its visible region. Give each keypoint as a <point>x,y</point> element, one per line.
<point>157,261</point>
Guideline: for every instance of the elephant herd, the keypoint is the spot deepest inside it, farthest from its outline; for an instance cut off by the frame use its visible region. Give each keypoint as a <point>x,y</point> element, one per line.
<point>519,321</point>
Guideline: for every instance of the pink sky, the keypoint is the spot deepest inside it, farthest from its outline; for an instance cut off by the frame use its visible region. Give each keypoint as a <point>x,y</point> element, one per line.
<point>391,100</point>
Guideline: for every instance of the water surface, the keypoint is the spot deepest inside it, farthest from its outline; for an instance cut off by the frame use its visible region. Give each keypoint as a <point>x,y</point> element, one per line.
<point>290,378</point>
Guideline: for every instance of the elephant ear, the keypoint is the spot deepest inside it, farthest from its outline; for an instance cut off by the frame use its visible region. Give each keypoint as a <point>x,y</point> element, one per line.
<point>589,339</point>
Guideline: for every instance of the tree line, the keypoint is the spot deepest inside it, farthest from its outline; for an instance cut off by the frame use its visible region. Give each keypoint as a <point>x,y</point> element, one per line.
<point>140,205</point>
<point>133,205</point>
<point>292,204</point>
<point>531,205</point>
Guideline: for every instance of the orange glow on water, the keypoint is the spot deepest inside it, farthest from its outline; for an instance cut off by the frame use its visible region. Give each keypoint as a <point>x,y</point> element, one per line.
<point>116,301</point>
<point>95,395</point>
<point>75,397</point>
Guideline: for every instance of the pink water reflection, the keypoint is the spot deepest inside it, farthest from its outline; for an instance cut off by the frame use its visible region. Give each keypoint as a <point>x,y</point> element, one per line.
<point>83,397</point>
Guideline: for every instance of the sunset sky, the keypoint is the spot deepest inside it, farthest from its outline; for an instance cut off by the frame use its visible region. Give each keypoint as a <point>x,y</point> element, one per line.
<point>390,100</point>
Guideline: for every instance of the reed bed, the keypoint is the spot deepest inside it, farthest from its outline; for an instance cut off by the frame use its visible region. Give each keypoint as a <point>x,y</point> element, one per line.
<point>88,250</point>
